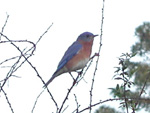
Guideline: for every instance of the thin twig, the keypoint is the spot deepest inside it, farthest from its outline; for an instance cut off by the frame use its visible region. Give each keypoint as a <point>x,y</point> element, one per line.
<point>14,66</point>
<point>9,59</point>
<point>38,73</point>
<point>10,106</point>
<point>100,45</point>
<point>4,25</point>
<point>108,100</point>
<point>142,90</point>
<point>10,72</point>
<point>36,101</point>
<point>65,108</point>
<point>76,101</point>
<point>43,34</point>
<point>57,108</point>
<point>101,102</point>
<point>69,90</point>
<point>77,109</point>
<point>125,98</point>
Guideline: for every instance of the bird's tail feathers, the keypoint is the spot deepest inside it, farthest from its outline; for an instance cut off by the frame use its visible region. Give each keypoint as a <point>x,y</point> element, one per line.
<point>58,72</point>
<point>49,81</point>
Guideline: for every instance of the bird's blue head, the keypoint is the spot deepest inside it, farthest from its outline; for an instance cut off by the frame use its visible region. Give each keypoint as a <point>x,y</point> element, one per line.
<point>86,36</point>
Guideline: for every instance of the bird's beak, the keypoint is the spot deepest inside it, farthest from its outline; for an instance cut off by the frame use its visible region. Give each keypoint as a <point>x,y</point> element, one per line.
<point>94,36</point>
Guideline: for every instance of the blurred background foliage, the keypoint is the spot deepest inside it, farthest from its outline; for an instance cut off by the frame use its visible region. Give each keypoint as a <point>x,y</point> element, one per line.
<point>134,73</point>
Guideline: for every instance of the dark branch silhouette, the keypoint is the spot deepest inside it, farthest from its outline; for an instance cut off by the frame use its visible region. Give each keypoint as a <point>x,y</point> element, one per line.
<point>97,61</point>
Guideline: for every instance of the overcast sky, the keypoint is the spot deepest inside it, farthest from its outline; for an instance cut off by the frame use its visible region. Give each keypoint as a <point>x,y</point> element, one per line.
<point>30,18</point>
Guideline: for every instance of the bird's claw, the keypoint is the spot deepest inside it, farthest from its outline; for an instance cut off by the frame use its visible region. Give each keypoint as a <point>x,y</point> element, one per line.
<point>96,54</point>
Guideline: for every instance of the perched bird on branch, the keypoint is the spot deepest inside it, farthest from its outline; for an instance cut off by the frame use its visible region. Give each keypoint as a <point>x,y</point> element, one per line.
<point>76,57</point>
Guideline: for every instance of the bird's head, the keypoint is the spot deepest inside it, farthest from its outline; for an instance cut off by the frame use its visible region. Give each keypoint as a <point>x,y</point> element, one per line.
<point>86,36</point>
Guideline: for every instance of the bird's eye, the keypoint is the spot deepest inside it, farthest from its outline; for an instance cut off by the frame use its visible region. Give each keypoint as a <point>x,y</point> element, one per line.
<point>87,36</point>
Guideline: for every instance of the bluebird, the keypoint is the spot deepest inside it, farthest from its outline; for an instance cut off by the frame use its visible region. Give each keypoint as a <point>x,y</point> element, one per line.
<point>76,57</point>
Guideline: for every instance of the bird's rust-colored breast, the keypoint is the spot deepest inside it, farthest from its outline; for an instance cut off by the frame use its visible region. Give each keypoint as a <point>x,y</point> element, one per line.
<point>80,60</point>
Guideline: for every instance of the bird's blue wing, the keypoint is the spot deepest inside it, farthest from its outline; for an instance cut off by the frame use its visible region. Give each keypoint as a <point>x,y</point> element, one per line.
<point>72,51</point>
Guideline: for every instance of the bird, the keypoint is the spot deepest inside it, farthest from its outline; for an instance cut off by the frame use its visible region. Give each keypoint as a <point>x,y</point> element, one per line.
<point>76,57</point>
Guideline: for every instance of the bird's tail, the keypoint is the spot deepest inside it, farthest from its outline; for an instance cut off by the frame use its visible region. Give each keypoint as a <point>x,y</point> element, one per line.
<point>57,72</point>
<point>49,81</point>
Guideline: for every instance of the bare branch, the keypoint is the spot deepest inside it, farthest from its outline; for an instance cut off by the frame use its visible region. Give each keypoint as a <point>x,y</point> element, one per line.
<point>36,101</point>
<point>142,90</point>
<point>43,34</point>
<point>10,72</point>
<point>52,99</point>
<point>26,59</point>
<point>101,102</point>
<point>77,109</point>
<point>100,45</point>
<point>6,60</point>
<point>26,56</point>
<point>4,25</point>
<point>109,100</point>
<point>69,90</point>
<point>65,108</point>
<point>10,106</point>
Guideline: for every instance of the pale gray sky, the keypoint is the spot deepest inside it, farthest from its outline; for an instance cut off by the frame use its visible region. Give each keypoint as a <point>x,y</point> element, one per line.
<point>30,18</point>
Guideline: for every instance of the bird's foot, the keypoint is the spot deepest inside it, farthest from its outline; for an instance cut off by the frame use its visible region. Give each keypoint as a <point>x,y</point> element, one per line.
<point>80,73</point>
<point>72,76</point>
<point>96,54</point>
<point>74,82</point>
